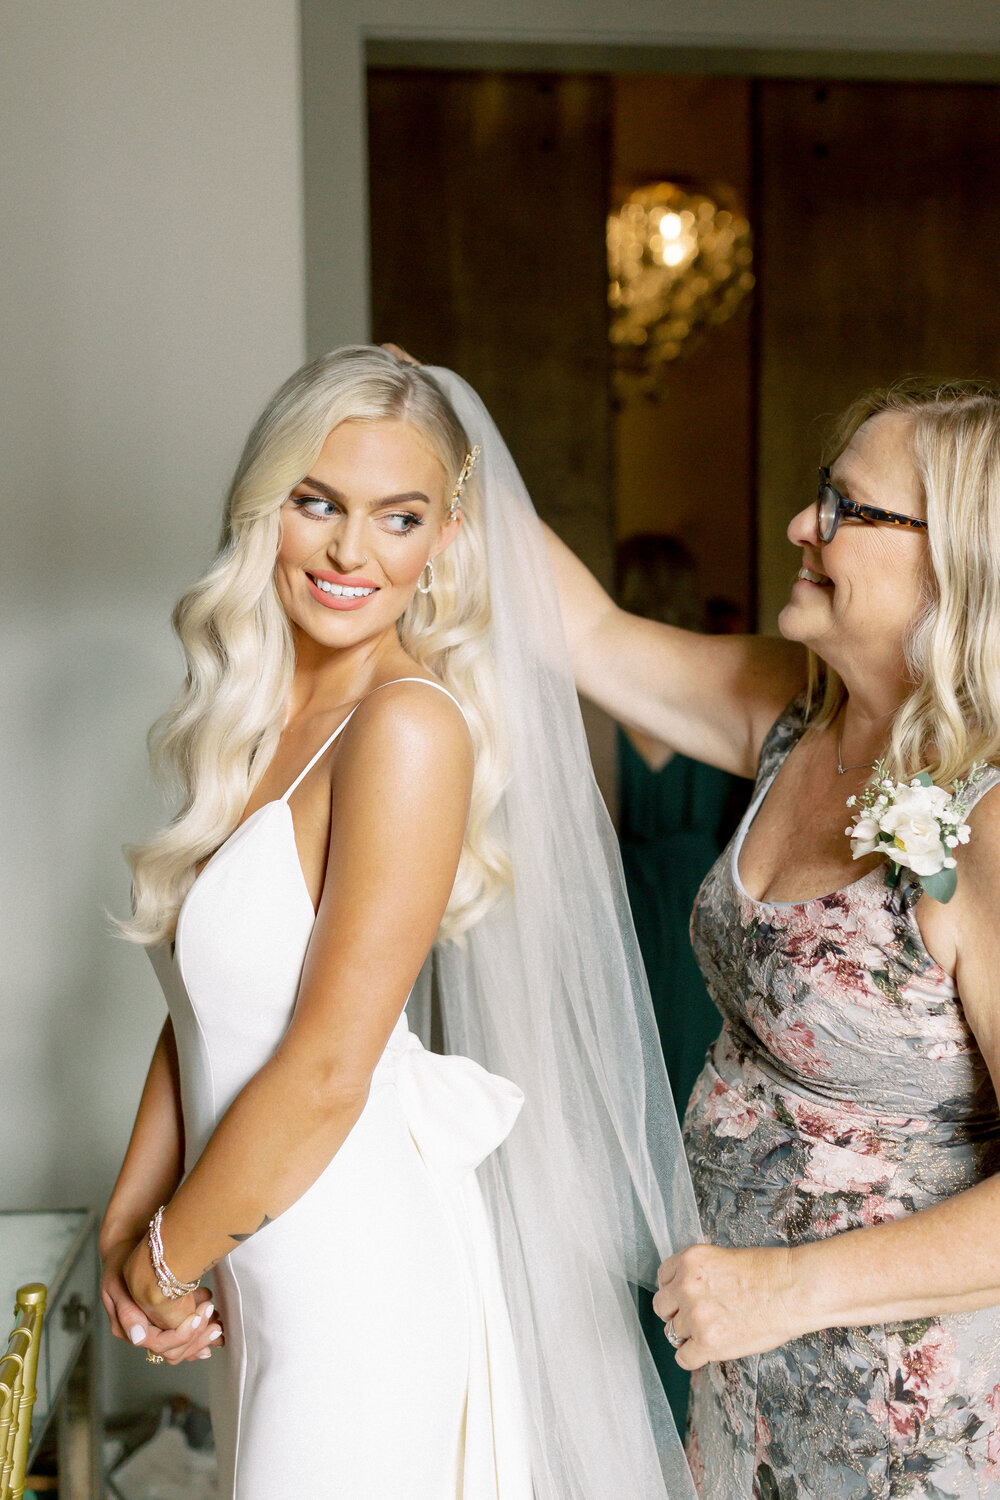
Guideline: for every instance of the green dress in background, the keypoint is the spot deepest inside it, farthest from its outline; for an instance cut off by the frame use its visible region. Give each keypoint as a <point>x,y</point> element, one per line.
<point>672,825</point>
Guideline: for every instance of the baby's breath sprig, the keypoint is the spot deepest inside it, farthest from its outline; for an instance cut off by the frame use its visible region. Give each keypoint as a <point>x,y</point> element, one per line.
<point>915,824</point>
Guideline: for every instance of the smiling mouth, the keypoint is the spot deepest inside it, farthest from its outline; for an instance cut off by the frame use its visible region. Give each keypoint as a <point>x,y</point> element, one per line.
<point>806,575</point>
<point>340,590</point>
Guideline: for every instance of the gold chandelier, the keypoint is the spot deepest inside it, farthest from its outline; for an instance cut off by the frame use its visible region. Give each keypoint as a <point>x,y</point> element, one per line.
<point>679,263</point>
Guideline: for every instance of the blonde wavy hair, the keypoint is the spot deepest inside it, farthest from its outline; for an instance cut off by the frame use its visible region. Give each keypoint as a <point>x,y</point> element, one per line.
<point>951,718</point>
<point>216,740</point>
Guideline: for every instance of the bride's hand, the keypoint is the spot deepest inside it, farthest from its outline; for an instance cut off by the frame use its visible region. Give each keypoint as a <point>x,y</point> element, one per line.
<point>725,1304</point>
<point>188,1328</point>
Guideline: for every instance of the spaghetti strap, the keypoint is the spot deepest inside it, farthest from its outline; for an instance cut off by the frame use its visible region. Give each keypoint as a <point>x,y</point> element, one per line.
<point>987,779</point>
<point>345,721</point>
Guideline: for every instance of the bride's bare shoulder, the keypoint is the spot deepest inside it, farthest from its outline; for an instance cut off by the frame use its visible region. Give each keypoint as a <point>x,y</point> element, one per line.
<point>401,783</point>
<point>406,723</point>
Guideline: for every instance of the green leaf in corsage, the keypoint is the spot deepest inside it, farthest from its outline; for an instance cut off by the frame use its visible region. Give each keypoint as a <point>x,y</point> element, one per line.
<point>916,825</point>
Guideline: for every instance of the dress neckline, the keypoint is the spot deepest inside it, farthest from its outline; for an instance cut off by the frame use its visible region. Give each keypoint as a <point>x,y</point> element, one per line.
<point>253,821</point>
<point>284,799</point>
<point>945,978</point>
<point>740,838</point>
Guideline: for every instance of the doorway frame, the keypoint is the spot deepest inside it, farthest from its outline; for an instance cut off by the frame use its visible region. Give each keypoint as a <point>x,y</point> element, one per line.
<point>340,41</point>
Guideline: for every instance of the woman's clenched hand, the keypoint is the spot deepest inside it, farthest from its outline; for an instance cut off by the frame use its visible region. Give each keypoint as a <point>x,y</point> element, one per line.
<point>725,1304</point>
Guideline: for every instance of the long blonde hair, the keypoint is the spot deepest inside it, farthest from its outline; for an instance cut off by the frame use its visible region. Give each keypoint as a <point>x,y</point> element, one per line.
<point>951,718</point>
<point>216,740</point>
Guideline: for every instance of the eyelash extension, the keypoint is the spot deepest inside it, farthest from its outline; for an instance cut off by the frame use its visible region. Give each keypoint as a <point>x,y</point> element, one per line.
<point>301,501</point>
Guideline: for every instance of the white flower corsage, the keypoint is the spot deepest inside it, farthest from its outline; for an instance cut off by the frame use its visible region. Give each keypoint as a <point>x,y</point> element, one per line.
<point>917,826</point>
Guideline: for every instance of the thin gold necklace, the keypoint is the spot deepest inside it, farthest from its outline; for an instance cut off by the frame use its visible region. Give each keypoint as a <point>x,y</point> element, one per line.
<point>842,770</point>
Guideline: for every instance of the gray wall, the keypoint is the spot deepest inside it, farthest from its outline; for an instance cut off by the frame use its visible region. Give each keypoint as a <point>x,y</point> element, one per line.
<point>153,294</point>
<point>152,298</point>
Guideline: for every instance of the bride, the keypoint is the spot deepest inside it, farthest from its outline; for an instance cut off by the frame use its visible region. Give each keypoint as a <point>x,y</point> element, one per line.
<point>384,786</point>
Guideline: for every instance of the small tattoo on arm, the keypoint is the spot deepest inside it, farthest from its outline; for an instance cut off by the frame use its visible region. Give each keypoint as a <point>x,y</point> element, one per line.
<point>239,1238</point>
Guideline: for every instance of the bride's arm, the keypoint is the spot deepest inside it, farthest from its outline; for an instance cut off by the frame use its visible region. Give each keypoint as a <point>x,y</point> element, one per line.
<point>712,697</point>
<point>400,795</point>
<point>153,1166</point>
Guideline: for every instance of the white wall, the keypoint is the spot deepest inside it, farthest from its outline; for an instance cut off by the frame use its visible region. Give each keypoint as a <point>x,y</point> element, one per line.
<point>152,298</point>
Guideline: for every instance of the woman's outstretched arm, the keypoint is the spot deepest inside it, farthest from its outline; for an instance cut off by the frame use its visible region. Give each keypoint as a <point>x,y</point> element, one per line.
<point>400,796</point>
<point>712,697</point>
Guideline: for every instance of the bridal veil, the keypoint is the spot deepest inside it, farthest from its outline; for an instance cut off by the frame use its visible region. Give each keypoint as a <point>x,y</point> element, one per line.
<point>591,1189</point>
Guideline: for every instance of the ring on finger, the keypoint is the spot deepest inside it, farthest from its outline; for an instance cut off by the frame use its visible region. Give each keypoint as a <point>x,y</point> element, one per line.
<point>672,1338</point>
<point>153,1359</point>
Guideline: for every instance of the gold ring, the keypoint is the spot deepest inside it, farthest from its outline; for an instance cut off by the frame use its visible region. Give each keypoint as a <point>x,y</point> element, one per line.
<point>153,1359</point>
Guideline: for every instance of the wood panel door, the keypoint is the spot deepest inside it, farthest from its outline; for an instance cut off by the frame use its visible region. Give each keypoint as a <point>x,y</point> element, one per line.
<point>488,206</point>
<point>489,196</point>
<point>878,217</point>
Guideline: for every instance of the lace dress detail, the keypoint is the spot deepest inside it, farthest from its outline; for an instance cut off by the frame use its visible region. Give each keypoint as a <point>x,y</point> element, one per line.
<point>845,1090</point>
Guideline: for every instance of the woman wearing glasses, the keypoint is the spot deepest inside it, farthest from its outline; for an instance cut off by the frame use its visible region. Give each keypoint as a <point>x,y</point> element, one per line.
<point>843,1322</point>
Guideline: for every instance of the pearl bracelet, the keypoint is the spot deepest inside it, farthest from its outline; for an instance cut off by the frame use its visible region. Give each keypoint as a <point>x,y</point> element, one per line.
<point>165,1278</point>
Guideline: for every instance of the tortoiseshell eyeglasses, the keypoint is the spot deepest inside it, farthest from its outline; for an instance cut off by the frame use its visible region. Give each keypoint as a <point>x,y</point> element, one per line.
<point>831,506</point>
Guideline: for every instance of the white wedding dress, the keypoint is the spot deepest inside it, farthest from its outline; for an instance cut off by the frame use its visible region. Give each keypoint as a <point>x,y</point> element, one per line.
<point>368,1348</point>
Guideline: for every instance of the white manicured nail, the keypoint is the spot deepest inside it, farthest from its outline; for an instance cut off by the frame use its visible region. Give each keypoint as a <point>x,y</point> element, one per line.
<point>136,1334</point>
<point>215,1333</point>
<point>205,1354</point>
<point>207,1310</point>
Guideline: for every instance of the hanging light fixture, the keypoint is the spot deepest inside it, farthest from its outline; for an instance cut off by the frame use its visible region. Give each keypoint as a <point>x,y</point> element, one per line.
<point>679,262</point>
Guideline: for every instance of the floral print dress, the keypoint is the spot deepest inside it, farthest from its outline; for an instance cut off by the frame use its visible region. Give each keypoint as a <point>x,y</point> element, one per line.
<point>846,1090</point>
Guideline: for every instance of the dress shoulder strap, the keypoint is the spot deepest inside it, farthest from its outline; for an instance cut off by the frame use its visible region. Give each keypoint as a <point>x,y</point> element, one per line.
<point>784,733</point>
<point>347,719</point>
<point>986,780</point>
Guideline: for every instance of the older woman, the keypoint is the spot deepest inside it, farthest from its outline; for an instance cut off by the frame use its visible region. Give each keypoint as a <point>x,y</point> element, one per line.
<point>843,1320</point>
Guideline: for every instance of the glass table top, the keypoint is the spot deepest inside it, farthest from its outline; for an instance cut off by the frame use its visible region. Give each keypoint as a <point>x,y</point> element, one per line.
<point>34,1247</point>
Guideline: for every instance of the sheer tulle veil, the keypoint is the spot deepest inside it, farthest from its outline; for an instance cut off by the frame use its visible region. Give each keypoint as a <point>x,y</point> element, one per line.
<point>591,1189</point>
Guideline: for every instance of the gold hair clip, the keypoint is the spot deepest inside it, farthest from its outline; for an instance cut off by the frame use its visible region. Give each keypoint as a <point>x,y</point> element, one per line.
<point>456,495</point>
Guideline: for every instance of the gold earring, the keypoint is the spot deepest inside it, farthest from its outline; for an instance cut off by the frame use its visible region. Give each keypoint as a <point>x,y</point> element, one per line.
<point>421,589</point>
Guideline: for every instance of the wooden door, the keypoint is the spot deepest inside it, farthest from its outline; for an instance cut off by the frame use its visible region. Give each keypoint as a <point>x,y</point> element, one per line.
<point>878,219</point>
<point>488,204</point>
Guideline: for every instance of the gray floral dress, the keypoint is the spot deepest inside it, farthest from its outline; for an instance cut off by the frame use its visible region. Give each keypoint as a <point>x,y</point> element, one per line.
<point>846,1090</point>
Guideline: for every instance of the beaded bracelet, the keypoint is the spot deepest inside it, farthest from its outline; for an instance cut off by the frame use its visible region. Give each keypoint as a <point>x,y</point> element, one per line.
<point>165,1278</point>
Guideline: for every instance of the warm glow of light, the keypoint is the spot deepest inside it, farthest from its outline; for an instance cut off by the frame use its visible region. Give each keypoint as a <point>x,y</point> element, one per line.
<point>679,262</point>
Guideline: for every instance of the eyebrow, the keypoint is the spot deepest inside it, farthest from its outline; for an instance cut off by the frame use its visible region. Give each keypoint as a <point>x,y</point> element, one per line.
<point>851,490</point>
<point>331,494</point>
